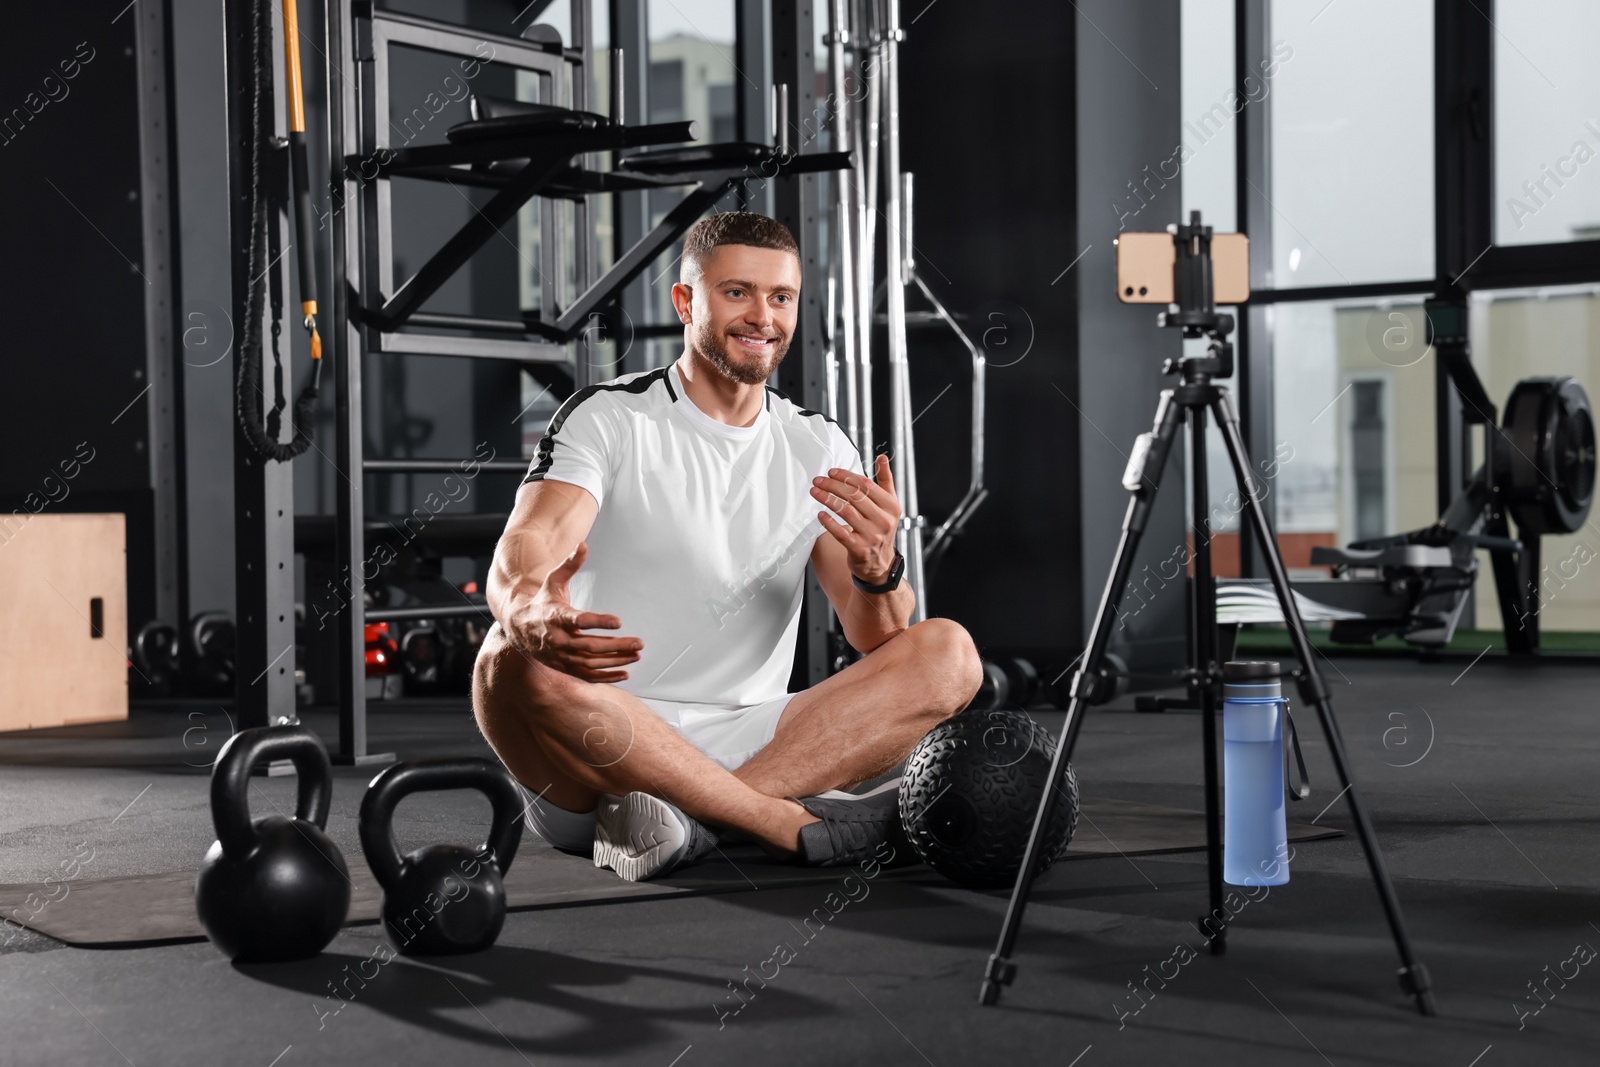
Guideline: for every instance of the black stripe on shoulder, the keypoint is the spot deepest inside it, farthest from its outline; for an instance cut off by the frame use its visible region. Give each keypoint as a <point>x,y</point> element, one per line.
<point>540,465</point>
<point>865,466</point>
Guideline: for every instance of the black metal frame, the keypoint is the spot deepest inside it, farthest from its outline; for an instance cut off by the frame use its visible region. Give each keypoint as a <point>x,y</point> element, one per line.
<point>263,498</point>
<point>1466,259</point>
<point>369,314</point>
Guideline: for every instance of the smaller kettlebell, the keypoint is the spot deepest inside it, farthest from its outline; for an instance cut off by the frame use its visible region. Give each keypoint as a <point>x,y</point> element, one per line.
<point>442,899</point>
<point>272,888</point>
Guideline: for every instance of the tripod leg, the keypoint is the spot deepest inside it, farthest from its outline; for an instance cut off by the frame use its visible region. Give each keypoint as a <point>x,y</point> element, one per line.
<point>1142,479</point>
<point>1203,661</point>
<point>1413,975</point>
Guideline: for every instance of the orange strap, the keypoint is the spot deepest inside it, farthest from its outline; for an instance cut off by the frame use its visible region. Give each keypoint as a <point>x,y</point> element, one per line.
<point>291,49</point>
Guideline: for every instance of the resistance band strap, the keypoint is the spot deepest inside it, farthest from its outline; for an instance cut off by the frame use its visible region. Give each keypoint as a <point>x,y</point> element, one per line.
<point>299,174</point>
<point>248,384</point>
<point>1303,790</point>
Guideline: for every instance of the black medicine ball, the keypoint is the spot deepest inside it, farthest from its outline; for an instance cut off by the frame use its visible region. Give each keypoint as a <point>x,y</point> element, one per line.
<point>969,793</point>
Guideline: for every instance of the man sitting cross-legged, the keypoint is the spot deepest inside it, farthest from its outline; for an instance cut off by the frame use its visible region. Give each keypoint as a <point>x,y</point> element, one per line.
<point>680,506</point>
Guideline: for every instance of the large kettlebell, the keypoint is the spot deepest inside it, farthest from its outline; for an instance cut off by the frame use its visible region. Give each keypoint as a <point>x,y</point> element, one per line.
<point>272,888</point>
<point>442,899</point>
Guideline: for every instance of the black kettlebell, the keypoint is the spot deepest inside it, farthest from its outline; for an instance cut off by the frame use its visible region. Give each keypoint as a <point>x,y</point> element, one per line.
<point>272,888</point>
<point>442,899</point>
<point>213,642</point>
<point>156,658</point>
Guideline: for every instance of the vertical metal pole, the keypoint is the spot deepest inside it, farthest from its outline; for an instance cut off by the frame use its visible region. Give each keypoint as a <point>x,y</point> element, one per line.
<point>630,211</point>
<point>844,329</point>
<point>586,350</point>
<point>616,97</point>
<point>780,117</point>
<point>1203,642</point>
<point>756,25</point>
<point>349,47</point>
<point>867,208</point>
<point>903,454</point>
<point>796,205</point>
<point>263,489</point>
<point>1255,218</point>
<point>164,410</point>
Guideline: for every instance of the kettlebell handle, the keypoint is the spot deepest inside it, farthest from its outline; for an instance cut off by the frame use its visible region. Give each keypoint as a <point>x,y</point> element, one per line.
<point>230,781</point>
<point>396,782</point>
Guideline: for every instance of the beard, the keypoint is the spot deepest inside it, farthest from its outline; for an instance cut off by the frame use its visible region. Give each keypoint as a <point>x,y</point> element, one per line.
<point>755,370</point>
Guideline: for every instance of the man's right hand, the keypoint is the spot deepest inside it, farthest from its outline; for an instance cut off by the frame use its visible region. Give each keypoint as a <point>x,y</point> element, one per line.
<point>549,630</point>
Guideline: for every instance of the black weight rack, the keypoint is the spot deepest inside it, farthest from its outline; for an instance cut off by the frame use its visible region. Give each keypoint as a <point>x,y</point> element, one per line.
<point>545,150</point>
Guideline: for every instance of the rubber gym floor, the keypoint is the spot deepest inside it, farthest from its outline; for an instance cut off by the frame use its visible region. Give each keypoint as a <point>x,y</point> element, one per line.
<point>1480,778</point>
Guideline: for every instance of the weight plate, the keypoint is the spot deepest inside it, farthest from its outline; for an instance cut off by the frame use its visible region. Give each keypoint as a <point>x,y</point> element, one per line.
<point>1550,466</point>
<point>994,691</point>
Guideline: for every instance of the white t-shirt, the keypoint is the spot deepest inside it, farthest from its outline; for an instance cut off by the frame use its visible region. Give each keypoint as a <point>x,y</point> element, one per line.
<point>703,533</point>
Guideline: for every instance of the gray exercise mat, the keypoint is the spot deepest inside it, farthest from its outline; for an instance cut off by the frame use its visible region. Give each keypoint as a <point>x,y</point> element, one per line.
<point>143,909</point>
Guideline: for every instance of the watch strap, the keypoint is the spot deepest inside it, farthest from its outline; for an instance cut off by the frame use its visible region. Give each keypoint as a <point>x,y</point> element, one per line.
<point>889,584</point>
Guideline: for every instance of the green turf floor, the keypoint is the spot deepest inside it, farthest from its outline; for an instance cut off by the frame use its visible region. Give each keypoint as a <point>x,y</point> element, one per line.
<point>1271,638</point>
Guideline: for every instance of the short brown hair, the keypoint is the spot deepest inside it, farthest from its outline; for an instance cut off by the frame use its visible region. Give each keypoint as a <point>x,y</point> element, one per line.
<point>731,228</point>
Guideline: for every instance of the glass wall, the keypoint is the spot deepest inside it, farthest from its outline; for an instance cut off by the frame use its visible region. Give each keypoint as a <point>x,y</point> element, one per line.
<point>1211,109</point>
<point>1350,146</point>
<point>1546,124</point>
<point>1208,142</point>
<point>1354,405</point>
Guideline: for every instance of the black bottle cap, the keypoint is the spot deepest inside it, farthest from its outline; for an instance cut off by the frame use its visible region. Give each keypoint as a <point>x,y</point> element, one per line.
<point>1239,670</point>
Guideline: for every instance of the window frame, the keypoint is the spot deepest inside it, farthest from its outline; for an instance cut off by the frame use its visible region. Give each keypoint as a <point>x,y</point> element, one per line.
<point>1466,258</point>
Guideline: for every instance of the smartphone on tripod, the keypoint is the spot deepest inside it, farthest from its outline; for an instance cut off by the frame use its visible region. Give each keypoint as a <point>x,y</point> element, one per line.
<point>1145,262</point>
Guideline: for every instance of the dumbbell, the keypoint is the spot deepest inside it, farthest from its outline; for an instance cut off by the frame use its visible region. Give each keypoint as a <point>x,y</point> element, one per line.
<point>995,690</point>
<point>1023,678</point>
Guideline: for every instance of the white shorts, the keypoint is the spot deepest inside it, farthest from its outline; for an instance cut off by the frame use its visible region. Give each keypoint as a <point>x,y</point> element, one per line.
<point>728,735</point>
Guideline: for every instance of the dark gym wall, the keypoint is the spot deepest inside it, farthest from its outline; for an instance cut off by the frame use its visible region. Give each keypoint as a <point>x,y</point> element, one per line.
<point>987,129</point>
<point>86,415</point>
<point>200,113</point>
<point>1129,119</point>
<point>1018,154</point>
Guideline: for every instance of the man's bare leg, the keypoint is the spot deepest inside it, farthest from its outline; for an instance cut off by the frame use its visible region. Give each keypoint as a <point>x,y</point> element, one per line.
<point>867,718</point>
<point>571,740</point>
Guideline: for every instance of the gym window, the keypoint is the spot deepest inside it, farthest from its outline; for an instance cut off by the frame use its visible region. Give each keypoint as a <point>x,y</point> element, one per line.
<point>1462,149</point>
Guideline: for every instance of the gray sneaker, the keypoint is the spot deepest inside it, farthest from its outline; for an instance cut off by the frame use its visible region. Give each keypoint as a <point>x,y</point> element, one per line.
<point>853,827</point>
<point>642,836</point>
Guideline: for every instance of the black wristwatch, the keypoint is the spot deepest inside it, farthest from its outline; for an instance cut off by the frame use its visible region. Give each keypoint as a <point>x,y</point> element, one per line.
<point>890,583</point>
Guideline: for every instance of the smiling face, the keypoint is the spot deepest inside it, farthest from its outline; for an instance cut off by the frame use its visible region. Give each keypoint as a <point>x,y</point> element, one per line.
<point>741,310</point>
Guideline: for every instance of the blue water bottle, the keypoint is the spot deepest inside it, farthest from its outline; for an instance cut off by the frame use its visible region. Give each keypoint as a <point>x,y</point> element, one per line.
<point>1255,841</point>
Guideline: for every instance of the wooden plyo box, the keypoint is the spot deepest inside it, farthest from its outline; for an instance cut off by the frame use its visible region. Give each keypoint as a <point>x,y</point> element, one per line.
<point>63,620</point>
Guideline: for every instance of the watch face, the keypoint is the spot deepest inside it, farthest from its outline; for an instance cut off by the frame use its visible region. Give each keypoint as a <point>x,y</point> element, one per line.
<point>889,583</point>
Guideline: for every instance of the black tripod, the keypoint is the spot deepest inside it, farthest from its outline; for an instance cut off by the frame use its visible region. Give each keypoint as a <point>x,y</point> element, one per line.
<point>1195,314</point>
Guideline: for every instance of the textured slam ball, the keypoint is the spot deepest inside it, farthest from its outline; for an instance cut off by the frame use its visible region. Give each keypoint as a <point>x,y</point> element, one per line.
<point>970,791</point>
<point>272,888</point>
<point>442,899</point>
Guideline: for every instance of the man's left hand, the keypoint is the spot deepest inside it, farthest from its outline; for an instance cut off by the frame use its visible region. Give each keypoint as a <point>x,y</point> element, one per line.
<point>871,514</point>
